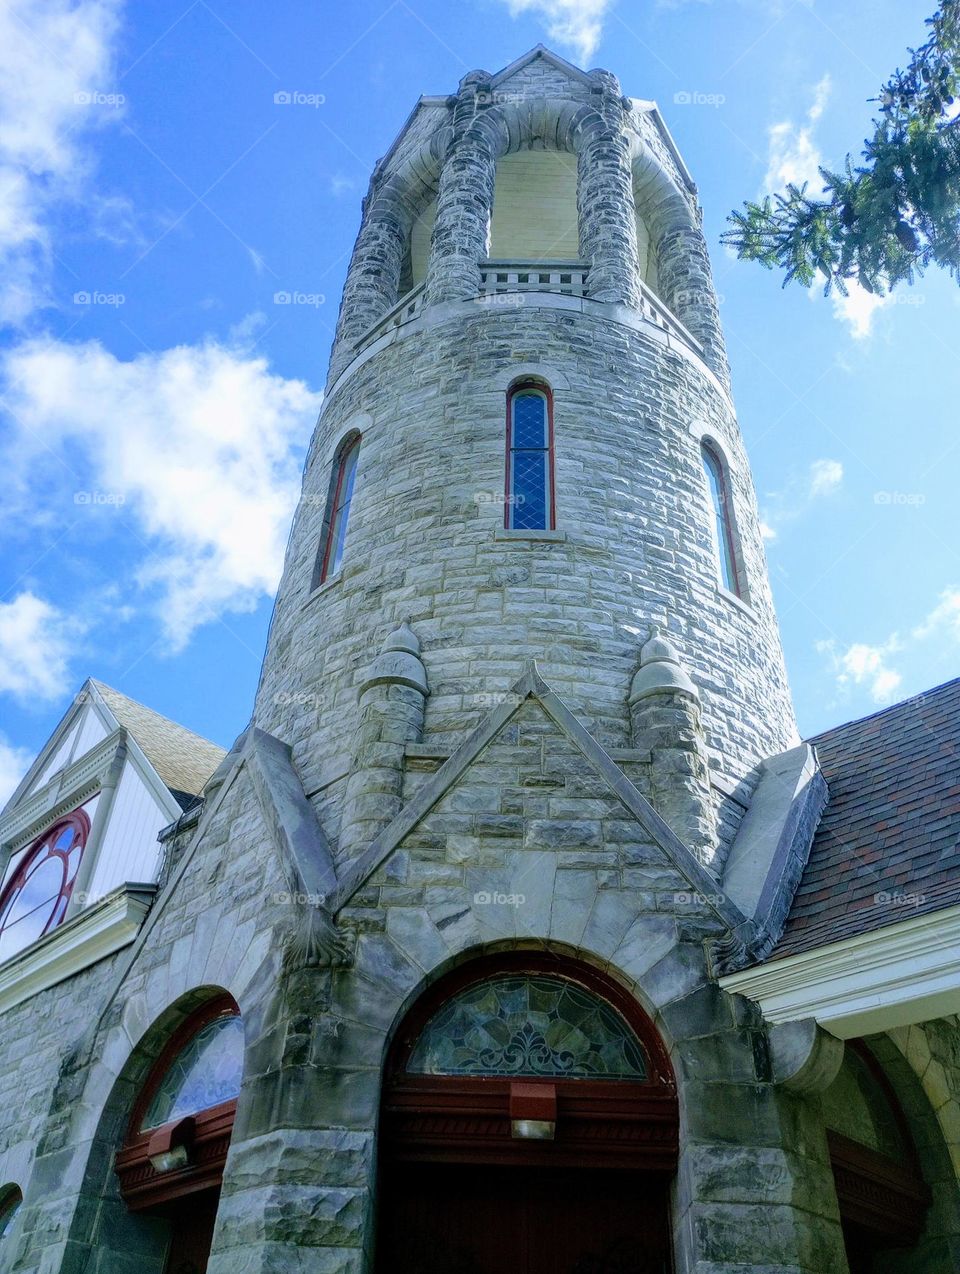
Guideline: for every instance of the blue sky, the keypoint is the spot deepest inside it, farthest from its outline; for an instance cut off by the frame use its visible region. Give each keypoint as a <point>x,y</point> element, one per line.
<point>157,401</point>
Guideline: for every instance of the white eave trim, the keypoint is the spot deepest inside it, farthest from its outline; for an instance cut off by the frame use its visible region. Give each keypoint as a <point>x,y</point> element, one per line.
<point>896,976</point>
<point>96,932</point>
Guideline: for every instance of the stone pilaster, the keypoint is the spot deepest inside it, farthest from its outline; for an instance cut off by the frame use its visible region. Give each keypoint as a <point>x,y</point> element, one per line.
<point>665,715</point>
<point>686,284</point>
<point>392,700</point>
<point>605,207</point>
<point>465,199</point>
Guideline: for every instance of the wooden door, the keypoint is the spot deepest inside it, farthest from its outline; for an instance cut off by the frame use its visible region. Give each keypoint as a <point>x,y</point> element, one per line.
<point>470,1219</point>
<point>191,1233</point>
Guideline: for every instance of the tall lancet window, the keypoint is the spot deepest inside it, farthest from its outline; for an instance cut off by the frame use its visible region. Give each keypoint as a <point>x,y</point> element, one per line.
<point>723,519</point>
<point>529,495</point>
<point>333,537</point>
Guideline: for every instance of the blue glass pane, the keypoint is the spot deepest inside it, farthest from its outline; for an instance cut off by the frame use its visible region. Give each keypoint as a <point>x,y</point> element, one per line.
<point>528,510</point>
<point>206,1072</point>
<point>728,574</point>
<point>529,421</point>
<point>341,513</point>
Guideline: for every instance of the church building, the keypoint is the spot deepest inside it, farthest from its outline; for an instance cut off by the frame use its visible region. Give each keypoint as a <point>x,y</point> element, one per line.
<point>518,930</point>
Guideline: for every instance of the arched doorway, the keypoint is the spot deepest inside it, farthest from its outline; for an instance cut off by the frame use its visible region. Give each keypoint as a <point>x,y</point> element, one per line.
<point>172,1160</point>
<point>529,1122</point>
<point>881,1193</point>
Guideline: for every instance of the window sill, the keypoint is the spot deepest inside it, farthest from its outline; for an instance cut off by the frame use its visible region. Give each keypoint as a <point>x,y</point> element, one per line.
<point>735,600</point>
<point>98,931</point>
<point>503,533</point>
<point>327,584</point>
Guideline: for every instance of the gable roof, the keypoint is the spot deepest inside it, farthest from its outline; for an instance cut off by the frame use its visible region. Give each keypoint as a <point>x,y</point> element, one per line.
<point>182,759</point>
<point>888,845</point>
<point>538,52</point>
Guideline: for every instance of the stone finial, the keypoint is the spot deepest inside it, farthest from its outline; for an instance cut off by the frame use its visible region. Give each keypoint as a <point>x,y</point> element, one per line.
<point>660,671</point>
<point>399,663</point>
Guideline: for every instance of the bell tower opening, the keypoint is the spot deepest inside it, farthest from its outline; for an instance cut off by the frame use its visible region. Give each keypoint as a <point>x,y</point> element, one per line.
<point>529,1122</point>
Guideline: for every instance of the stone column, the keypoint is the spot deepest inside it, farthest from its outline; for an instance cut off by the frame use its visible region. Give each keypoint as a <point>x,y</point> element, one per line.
<point>392,700</point>
<point>464,200</point>
<point>686,285</point>
<point>666,719</point>
<point>605,207</point>
<point>372,286</point>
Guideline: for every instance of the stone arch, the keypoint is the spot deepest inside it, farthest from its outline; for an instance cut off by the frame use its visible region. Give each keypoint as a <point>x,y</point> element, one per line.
<point>102,1225</point>
<point>938,1251</point>
<point>944,1097</point>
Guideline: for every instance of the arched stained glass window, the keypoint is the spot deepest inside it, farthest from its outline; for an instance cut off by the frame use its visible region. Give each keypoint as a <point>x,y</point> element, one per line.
<point>528,1025</point>
<point>206,1072</point>
<point>529,496</point>
<point>333,538</point>
<point>10,1200</point>
<point>723,519</point>
<point>35,901</point>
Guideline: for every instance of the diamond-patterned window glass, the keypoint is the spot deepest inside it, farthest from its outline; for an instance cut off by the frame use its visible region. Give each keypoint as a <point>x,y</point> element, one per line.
<point>528,497</point>
<point>528,1025</point>
<point>206,1071</point>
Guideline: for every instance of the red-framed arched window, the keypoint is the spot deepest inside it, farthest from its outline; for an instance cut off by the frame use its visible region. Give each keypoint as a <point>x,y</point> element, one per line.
<point>529,501</point>
<point>37,895</point>
<point>181,1123</point>
<point>337,513</point>
<point>724,530</point>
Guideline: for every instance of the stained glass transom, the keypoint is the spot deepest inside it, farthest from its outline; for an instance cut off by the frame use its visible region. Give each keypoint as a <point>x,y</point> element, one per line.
<point>206,1071</point>
<point>528,1025</point>
<point>529,495</point>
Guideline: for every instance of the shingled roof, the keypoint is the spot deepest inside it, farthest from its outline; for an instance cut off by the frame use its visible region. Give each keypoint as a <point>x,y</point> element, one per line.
<point>183,760</point>
<point>888,844</point>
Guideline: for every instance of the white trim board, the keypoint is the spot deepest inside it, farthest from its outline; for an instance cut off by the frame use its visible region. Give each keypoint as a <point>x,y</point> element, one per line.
<point>97,932</point>
<point>902,974</point>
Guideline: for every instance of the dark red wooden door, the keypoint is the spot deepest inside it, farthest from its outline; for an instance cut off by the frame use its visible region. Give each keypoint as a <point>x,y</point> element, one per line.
<point>466,1219</point>
<point>191,1233</point>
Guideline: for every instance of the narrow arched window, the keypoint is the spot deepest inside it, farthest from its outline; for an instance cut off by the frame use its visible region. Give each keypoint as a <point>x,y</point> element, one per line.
<point>529,493</point>
<point>723,519</point>
<point>10,1200</point>
<point>337,515</point>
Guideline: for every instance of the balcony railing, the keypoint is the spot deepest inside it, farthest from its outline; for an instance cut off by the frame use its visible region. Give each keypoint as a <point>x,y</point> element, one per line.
<point>566,277</point>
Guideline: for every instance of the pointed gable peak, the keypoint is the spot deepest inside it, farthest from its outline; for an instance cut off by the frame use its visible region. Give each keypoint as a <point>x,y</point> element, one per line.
<point>540,53</point>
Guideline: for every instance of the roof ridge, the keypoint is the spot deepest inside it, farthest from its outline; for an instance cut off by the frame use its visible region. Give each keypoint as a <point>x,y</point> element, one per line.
<point>144,707</point>
<point>890,708</point>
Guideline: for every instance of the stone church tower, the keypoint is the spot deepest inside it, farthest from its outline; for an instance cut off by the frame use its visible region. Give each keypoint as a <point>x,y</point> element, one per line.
<point>521,790</point>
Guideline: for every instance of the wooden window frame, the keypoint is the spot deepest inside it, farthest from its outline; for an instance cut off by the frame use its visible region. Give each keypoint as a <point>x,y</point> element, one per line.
<point>346,448</point>
<point>141,1186</point>
<point>80,820</point>
<point>515,391</point>
<point>717,473</point>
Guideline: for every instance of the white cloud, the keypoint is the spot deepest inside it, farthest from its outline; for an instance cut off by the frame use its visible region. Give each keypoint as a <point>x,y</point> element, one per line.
<point>793,155</point>
<point>575,23</point>
<point>858,308</point>
<point>35,643</point>
<point>55,78</point>
<point>944,619</point>
<point>825,477</point>
<point>198,445</point>
<point>767,532</point>
<point>861,664</point>
<point>14,763</point>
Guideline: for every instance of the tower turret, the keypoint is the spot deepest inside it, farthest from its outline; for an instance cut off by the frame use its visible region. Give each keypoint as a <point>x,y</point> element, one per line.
<point>527,447</point>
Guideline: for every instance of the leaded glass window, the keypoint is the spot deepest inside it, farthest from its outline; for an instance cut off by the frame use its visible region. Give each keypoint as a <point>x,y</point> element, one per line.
<point>206,1071</point>
<point>338,510</point>
<point>723,521</point>
<point>529,462</point>
<point>36,899</point>
<point>528,1025</point>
